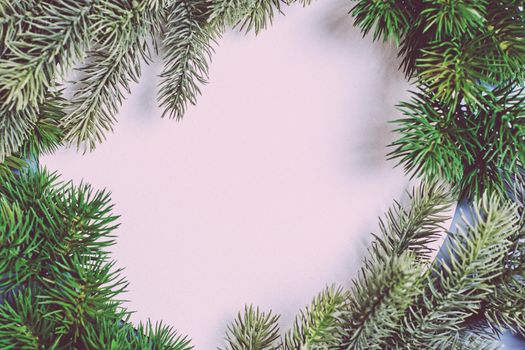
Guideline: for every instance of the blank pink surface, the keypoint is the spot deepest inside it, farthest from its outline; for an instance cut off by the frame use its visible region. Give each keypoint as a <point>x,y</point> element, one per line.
<point>268,189</point>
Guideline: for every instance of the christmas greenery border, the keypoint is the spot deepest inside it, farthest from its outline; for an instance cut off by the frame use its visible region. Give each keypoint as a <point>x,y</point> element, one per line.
<point>462,132</point>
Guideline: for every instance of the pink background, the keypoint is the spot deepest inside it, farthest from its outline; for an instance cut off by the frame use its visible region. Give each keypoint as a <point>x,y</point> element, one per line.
<point>267,190</point>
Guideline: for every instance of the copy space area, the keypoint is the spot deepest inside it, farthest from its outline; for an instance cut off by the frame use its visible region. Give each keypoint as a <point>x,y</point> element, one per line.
<point>268,189</point>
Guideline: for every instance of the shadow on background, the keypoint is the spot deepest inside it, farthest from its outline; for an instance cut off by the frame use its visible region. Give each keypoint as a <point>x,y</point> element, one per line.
<point>377,131</point>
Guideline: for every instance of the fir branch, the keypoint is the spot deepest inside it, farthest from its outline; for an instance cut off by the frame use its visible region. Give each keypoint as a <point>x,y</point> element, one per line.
<point>428,146</point>
<point>53,283</point>
<point>454,18</point>
<point>254,330</point>
<point>10,164</point>
<point>390,19</point>
<point>77,290</point>
<point>457,52</point>
<point>14,16</point>
<point>475,147</point>
<point>505,30</point>
<point>466,340</point>
<point>457,288</point>
<point>228,12</point>
<point>107,333</point>
<point>46,134</point>
<point>260,15</point>
<point>15,128</point>
<point>320,325</point>
<point>53,42</point>
<point>414,227</point>
<point>504,308</point>
<point>246,14</point>
<point>451,70</point>
<point>159,336</point>
<point>380,296</point>
<point>32,131</point>
<point>121,29</point>
<point>58,290</point>
<point>389,279</point>
<point>59,221</point>
<point>24,325</point>
<point>187,45</point>
<point>16,243</point>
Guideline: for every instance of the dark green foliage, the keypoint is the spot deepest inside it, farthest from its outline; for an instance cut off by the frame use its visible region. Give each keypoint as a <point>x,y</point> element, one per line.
<point>46,134</point>
<point>58,288</point>
<point>474,146</point>
<point>455,127</point>
<point>454,18</point>
<point>390,19</point>
<point>464,125</point>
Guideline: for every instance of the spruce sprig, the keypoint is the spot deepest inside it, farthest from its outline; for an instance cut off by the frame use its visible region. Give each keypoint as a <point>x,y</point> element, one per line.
<point>320,325</point>
<point>188,49</point>
<point>457,53</point>
<point>58,287</point>
<point>120,30</point>
<point>253,330</point>
<point>456,288</point>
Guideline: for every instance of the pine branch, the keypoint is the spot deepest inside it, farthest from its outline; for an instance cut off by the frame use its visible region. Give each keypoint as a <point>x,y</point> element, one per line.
<point>160,336</point>
<point>389,279</point>
<point>82,288</point>
<point>260,15</point>
<point>10,164</point>
<point>32,131</point>
<point>24,325</point>
<point>413,228</point>
<point>14,16</point>
<point>187,45</point>
<point>59,221</point>
<point>46,135</point>
<point>475,147</point>
<point>455,18</point>
<point>319,326</point>
<point>15,128</point>
<point>53,41</point>
<point>451,70</point>
<point>390,19</point>
<point>121,29</point>
<point>505,23</point>
<point>457,288</point>
<point>246,14</point>
<point>228,12</point>
<point>107,333</point>
<point>254,330</point>
<point>58,289</point>
<point>380,296</point>
<point>465,340</point>
<point>504,308</point>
